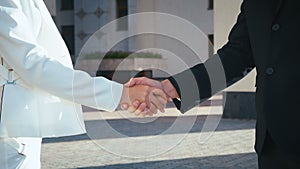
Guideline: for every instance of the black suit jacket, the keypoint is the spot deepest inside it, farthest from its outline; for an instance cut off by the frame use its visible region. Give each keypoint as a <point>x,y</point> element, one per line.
<point>266,36</point>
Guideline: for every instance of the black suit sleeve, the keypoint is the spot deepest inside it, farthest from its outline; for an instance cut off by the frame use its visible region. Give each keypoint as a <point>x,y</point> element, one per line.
<point>232,62</point>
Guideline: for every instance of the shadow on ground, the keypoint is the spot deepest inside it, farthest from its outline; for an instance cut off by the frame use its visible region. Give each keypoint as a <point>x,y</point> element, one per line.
<point>233,161</point>
<point>129,128</point>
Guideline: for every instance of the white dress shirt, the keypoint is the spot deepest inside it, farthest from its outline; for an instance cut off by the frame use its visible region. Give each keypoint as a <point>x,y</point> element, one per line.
<point>45,101</point>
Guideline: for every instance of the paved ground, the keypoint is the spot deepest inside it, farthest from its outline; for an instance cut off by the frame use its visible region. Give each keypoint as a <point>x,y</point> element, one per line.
<point>167,141</point>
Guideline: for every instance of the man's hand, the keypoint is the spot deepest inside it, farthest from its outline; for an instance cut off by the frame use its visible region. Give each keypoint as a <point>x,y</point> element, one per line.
<point>165,85</point>
<point>143,100</point>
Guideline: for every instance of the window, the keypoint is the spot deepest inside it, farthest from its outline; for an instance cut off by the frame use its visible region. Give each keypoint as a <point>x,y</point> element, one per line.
<point>210,4</point>
<point>67,4</point>
<point>122,10</point>
<point>67,33</point>
<point>211,45</point>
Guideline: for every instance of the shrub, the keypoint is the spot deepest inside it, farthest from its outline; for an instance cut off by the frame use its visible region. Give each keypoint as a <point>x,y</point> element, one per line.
<point>121,55</point>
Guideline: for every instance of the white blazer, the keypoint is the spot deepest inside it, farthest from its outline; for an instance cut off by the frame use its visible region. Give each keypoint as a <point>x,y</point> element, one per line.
<point>45,101</point>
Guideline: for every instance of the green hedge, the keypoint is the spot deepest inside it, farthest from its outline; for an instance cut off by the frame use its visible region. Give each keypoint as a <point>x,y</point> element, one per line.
<point>122,55</point>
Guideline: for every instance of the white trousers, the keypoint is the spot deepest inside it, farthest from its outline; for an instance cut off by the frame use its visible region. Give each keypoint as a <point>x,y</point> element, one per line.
<point>31,150</point>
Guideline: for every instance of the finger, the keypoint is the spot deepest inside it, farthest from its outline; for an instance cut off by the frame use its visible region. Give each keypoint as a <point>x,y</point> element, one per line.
<point>161,97</point>
<point>140,109</point>
<point>137,112</point>
<point>145,112</point>
<point>136,104</point>
<point>124,106</point>
<point>160,93</point>
<point>131,109</point>
<point>156,102</point>
<point>163,101</point>
<point>129,83</point>
<point>152,110</point>
<point>147,100</point>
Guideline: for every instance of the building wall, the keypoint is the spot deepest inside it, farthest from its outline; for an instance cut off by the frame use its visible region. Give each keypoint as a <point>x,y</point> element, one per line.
<point>178,55</point>
<point>86,20</point>
<point>88,24</point>
<point>63,17</point>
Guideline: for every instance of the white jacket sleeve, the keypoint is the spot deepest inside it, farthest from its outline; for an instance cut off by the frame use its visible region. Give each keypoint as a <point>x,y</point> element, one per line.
<point>20,49</point>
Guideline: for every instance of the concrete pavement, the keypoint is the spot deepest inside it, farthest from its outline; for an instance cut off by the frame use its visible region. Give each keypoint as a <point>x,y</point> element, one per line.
<point>167,141</point>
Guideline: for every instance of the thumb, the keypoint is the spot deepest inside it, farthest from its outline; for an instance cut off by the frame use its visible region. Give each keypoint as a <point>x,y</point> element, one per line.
<point>130,83</point>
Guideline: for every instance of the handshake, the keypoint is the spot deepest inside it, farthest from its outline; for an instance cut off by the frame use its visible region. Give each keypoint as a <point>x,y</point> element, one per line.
<point>143,96</point>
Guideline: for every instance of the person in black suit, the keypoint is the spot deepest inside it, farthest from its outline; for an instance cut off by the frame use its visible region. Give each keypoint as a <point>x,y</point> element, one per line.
<point>264,37</point>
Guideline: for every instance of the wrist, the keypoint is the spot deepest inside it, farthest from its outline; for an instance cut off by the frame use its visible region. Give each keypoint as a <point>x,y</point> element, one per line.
<point>169,89</point>
<point>125,95</point>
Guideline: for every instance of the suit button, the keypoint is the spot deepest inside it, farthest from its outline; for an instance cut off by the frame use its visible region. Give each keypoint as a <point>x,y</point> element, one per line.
<point>275,27</point>
<point>269,71</point>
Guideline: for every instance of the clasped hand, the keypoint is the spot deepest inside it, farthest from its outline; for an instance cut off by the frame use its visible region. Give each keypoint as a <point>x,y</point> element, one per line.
<point>144,96</point>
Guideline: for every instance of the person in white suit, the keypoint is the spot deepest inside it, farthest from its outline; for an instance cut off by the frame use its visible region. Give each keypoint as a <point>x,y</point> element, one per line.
<point>42,92</point>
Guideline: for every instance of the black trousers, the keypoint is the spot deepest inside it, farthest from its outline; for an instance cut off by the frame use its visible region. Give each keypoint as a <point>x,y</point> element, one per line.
<point>272,157</point>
